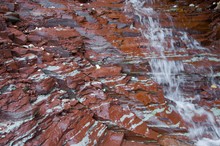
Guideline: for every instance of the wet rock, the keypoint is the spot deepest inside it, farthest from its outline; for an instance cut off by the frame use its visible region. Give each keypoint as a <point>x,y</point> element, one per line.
<point>16,15</point>
<point>87,16</point>
<point>149,97</point>
<point>9,5</point>
<point>58,50</point>
<point>81,19</point>
<point>11,66</point>
<point>113,138</point>
<point>14,116</point>
<point>27,60</point>
<point>17,36</point>
<point>60,22</point>
<point>45,86</point>
<point>4,35</point>
<point>17,51</point>
<point>46,57</point>
<point>106,72</point>
<point>132,143</point>
<point>5,53</point>
<point>130,34</point>
<point>52,5</point>
<point>121,117</point>
<point>121,25</point>
<point>12,17</point>
<point>3,9</point>
<point>34,38</point>
<point>15,31</point>
<point>168,141</point>
<point>21,39</point>
<point>56,32</point>
<point>3,25</point>
<point>26,71</point>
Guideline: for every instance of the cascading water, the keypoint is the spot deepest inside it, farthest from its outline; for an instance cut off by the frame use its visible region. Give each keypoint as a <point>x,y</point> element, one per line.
<point>168,72</point>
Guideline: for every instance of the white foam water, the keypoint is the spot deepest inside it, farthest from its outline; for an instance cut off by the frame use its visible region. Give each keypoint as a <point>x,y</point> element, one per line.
<point>168,72</point>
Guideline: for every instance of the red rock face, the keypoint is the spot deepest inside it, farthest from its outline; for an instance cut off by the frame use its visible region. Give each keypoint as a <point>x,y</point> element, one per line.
<point>75,73</point>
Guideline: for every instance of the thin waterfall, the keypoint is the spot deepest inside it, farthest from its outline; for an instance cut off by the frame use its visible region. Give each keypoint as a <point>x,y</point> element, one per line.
<point>168,72</point>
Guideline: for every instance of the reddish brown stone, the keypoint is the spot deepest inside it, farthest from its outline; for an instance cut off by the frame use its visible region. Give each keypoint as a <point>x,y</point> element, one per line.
<point>19,51</point>
<point>17,36</point>
<point>21,39</point>
<point>15,32</point>
<point>137,126</point>
<point>72,82</point>
<point>34,38</point>
<point>3,9</point>
<point>47,57</point>
<point>81,19</point>
<point>5,53</point>
<point>11,66</point>
<point>149,97</point>
<point>26,71</point>
<point>168,141</point>
<point>113,139</point>
<point>106,72</point>
<point>57,32</point>
<point>131,143</point>
<point>45,86</point>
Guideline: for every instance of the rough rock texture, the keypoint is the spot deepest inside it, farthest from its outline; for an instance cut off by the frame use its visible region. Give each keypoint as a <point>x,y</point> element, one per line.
<point>74,72</point>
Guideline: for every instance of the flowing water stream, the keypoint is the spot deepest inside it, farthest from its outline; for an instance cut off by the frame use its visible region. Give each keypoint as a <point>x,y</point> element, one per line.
<point>169,73</point>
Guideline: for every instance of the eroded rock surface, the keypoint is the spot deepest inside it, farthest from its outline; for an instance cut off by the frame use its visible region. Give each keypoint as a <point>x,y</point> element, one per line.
<point>75,72</point>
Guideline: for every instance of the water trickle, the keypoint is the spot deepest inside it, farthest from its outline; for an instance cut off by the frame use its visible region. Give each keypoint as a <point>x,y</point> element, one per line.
<point>169,73</point>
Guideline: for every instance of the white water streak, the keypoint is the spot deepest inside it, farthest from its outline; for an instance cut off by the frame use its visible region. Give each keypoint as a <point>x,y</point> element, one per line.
<point>167,73</point>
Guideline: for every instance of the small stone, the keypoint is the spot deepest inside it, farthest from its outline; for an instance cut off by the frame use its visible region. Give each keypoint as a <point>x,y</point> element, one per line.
<point>22,39</point>
<point>34,38</point>
<point>113,138</point>
<point>12,66</point>
<point>28,46</point>
<point>106,72</point>
<point>27,70</point>
<point>19,51</point>
<point>214,86</point>
<point>12,17</point>
<point>191,5</point>
<point>5,53</point>
<point>3,9</point>
<point>52,7</point>
<point>47,57</point>
<point>45,86</point>
<point>97,66</point>
<point>12,14</point>
<point>81,19</point>
<point>17,36</point>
